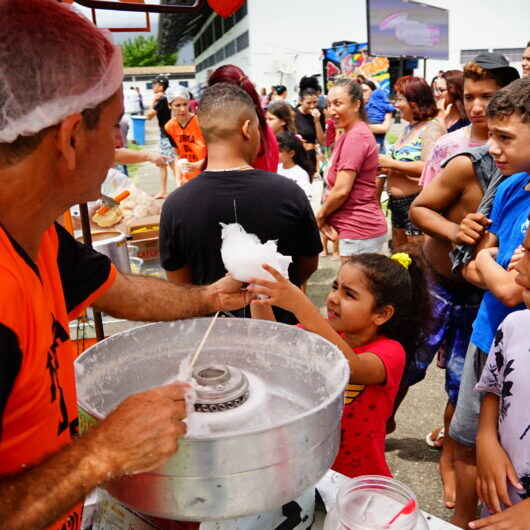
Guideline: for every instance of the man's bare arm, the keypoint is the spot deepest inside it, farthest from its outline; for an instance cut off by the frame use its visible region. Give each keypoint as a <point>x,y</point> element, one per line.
<point>144,298</point>
<point>438,196</point>
<point>305,266</point>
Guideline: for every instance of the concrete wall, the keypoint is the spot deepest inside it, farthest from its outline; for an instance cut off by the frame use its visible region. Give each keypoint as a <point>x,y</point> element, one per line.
<point>241,59</point>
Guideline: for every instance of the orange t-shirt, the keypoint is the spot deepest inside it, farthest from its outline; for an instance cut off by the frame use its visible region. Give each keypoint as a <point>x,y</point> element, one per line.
<point>38,403</point>
<point>189,142</point>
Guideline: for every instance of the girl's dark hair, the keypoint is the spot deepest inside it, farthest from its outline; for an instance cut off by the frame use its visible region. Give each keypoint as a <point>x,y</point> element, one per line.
<point>370,84</point>
<point>307,92</point>
<point>280,89</point>
<point>405,290</point>
<point>354,91</point>
<point>287,141</point>
<point>455,89</point>
<point>283,111</point>
<point>232,74</point>
<point>416,90</point>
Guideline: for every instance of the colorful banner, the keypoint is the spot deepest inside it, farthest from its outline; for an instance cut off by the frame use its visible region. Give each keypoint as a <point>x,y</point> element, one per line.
<point>351,60</point>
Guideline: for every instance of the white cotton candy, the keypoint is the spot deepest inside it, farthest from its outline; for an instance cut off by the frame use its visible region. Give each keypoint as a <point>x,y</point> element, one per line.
<point>244,255</point>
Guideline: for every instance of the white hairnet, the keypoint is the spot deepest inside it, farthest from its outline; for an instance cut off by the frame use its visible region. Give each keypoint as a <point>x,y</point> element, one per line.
<point>53,62</point>
<point>177,92</point>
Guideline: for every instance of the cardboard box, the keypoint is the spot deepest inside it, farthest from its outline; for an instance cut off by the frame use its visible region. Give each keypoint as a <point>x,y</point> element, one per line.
<point>144,233</point>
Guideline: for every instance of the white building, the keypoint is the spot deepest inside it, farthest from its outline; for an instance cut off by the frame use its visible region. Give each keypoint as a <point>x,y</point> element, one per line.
<point>279,41</point>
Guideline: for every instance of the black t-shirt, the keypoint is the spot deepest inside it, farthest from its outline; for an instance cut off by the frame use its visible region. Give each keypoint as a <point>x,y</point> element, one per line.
<point>163,113</point>
<point>267,204</point>
<point>305,125</point>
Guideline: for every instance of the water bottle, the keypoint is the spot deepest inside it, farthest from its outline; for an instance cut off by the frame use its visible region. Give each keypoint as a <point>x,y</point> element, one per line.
<point>370,502</point>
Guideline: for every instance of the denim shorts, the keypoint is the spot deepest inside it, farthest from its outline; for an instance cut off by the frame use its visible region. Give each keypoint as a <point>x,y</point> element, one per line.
<point>464,425</point>
<point>399,208</point>
<point>166,148</point>
<point>350,247</point>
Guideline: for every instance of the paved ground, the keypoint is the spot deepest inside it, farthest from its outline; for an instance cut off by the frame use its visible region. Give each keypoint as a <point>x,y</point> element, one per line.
<point>410,459</point>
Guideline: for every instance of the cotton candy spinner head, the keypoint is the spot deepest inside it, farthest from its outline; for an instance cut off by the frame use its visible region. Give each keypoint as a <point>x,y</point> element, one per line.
<point>53,63</point>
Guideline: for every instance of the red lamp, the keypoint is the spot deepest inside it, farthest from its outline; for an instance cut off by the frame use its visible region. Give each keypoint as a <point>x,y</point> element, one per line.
<point>225,8</point>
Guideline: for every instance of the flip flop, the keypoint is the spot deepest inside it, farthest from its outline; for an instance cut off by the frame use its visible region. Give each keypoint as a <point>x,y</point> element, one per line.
<point>435,444</point>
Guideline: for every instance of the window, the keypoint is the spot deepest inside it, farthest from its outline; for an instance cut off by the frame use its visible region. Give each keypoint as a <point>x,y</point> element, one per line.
<point>219,56</point>
<point>208,36</point>
<point>243,41</point>
<point>230,49</point>
<point>512,54</point>
<point>228,23</point>
<point>218,27</point>
<point>241,13</point>
<point>469,55</point>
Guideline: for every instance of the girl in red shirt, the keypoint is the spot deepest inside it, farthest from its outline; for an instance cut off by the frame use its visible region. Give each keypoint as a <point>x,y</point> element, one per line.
<point>377,310</point>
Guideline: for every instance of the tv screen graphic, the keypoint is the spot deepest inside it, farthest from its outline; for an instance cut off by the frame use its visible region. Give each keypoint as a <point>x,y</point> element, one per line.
<point>403,28</point>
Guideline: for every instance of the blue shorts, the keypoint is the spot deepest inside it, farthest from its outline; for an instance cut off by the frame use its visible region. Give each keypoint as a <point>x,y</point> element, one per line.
<point>464,424</point>
<point>454,311</point>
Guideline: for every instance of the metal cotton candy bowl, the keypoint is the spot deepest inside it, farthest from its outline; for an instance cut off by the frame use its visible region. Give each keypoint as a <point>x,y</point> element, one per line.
<point>258,457</point>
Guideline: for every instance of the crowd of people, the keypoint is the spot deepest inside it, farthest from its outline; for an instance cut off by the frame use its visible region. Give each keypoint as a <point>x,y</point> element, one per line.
<point>452,280</point>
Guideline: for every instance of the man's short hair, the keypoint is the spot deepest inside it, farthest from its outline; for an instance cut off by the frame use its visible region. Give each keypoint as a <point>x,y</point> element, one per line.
<point>222,109</point>
<point>512,99</point>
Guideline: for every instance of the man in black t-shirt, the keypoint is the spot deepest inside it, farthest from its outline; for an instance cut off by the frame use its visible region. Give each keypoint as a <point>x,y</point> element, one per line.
<point>160,109</point>
<point>231,190</point>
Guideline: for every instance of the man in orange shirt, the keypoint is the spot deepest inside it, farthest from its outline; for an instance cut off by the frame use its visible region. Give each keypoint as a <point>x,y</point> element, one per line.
<point>57,141</point>
<point>185,131</point>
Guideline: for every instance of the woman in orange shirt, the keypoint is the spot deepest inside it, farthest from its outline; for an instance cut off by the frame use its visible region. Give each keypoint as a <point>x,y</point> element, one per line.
<point>185,131</point>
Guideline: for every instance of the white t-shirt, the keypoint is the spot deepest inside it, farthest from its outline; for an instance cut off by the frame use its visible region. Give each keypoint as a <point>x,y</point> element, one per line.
<point>297,174</point>
<point>507,375</point>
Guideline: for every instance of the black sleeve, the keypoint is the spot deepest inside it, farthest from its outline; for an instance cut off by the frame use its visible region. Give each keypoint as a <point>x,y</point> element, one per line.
<point>83,270</point>
<point>172,256</point>
<point>10,362</point>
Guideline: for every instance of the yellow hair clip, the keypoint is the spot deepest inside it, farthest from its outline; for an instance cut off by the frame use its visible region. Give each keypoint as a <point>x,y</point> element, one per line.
<point>402,258</point>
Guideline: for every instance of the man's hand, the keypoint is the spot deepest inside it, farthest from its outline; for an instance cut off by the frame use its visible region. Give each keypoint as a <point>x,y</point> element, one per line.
<point>158,159</point>
<point>515,518</point>
<point>227,294</point>
<point>471,229</point>
<point>142,432</point>
<point>281,292</point>
<point>494,470</point>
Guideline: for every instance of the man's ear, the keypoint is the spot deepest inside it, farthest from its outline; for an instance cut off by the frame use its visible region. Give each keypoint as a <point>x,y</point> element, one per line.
<point>384,314</point>
<point>68,138</point>
<point>245,130</point>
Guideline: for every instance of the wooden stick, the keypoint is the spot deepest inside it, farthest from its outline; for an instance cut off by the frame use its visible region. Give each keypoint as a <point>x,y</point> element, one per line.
<point>199,349</point>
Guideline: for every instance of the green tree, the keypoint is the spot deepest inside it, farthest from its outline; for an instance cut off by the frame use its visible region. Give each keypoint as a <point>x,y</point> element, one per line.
<point>142,51</point>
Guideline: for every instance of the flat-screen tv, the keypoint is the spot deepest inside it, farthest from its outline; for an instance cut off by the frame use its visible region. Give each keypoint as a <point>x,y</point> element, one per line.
<point>403,28</point>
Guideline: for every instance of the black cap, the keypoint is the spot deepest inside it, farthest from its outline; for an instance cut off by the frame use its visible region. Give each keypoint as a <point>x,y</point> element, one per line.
<point>496,61</point>
<point>161,80</point>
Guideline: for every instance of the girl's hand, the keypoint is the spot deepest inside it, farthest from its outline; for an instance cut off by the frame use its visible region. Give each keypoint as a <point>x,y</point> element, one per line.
<point>494,470</point>
<point>281,292</point>
<point>514,518</point>
<point>386,162</point>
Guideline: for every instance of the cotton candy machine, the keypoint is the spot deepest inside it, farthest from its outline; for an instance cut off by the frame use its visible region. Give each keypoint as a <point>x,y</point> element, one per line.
<point>266,425</point>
